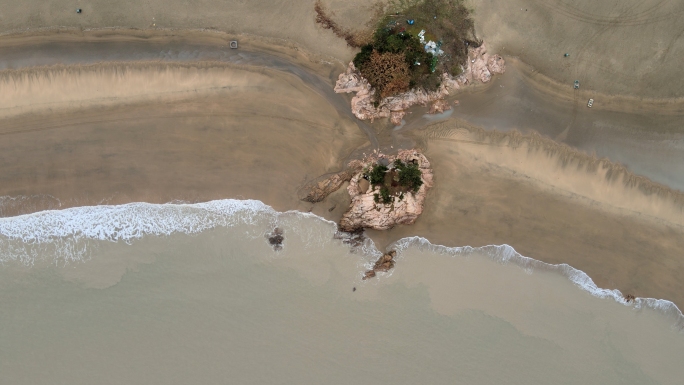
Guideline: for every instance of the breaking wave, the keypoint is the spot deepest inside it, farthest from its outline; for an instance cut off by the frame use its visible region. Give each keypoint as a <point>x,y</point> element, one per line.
<point>507,254</point>
<point>65,235</point>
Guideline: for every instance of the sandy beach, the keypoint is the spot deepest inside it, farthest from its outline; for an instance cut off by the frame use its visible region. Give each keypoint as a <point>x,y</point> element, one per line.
<point>541,207</point>
<point>162,130</point>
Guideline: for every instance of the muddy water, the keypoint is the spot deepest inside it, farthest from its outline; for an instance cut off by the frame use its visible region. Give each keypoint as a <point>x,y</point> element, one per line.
<point>213,302</point>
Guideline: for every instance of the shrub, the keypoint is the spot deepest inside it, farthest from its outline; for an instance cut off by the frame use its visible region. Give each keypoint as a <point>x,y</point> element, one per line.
<point>387,72</point>
<point>450,21</point>
<point>409,175</point>
<point>377,174</point>
<point>385,195</point>
<point>363,57</point>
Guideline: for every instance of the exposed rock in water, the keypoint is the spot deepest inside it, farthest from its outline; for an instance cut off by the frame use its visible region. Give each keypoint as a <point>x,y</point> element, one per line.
<point>396,117</point>
<point>480,66</point>
<point>384,264</point>
<point>354,239</point>
<point>365,212</point>
<point>275,238</point>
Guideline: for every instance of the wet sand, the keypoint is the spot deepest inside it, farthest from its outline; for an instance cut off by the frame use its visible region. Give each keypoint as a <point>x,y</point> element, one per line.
<point>183,125</point>
<point>629,47</point>
<point>152,131</point>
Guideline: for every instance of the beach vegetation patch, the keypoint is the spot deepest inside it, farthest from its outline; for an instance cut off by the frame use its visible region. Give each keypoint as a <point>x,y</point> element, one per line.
<point>447,23</point>
<point>394,181</point>
<point>385,195</point>
<point>409,175</point>
<point>376,175</point>
<point>413,42</point>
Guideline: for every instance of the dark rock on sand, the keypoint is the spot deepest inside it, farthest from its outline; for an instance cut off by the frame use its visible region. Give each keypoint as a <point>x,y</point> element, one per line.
<point>352,238</point>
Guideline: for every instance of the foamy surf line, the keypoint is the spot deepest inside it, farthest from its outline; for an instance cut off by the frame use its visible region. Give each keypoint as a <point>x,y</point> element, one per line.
<point>24,237</point>
<point>61,233</point>
<point>507,254</point>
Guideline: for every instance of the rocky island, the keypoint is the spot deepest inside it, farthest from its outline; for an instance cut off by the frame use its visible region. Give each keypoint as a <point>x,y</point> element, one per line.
<point>480,67</point>
<point>415,53</point>
<point>385,191</point>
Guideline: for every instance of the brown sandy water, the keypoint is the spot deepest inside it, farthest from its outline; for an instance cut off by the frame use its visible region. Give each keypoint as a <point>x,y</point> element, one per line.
<point>221,305</point>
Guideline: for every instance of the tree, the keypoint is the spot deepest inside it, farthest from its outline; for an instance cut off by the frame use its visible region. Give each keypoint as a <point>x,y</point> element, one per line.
<point>409,175</point>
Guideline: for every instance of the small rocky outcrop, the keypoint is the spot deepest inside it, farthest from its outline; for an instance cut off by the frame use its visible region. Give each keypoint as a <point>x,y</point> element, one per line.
<point>276,238</point>
<point>439,106</point>
<point>480,67</point>
<point>366,211</point>
<point>317,191</point>
<point>383,264</point>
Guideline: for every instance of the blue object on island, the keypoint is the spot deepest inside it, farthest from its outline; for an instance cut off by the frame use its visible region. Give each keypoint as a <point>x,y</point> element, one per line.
<point>410,21</point>
<point>78,10</point>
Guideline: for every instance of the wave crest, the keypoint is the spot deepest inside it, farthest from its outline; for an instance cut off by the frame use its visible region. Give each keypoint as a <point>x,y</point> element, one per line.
<point>64,234</point>
<point>507,254</point>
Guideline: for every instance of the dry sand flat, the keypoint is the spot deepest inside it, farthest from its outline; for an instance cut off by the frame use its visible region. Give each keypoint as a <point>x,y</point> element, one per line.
<point>645,136</point>
<point>291,21</point>
<point>631,47</point>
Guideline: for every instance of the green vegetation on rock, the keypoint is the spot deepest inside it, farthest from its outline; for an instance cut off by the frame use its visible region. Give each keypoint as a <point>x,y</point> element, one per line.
<point>396,60</point>
<point>395,182</point>
<point>409,175</point>
<point>377,174</point>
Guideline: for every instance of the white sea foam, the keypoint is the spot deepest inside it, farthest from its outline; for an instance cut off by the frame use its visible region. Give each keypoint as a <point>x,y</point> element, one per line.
<point>64,234</point>
<point>507,254</point>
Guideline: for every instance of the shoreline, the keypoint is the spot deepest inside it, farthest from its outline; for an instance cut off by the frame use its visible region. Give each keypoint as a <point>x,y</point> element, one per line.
<point>79,223</point>
<point>206,148</point>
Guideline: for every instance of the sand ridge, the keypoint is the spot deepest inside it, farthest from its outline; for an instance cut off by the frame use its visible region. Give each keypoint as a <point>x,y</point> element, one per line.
<point>564,170</point>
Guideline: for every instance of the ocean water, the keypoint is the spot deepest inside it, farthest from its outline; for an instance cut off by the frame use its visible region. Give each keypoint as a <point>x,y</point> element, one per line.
<point>177,294</point>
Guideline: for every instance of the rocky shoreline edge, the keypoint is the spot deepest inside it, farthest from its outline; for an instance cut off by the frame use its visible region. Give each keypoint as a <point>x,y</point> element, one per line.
<point>366,210</point>
<point>480,67</point>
